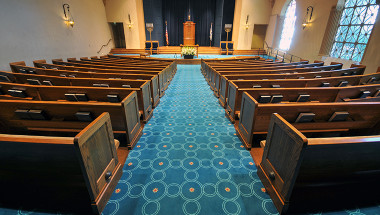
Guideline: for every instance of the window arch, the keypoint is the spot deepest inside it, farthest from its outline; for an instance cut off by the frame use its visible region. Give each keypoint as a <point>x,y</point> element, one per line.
<point>354,29</point>
<point>288,27</point>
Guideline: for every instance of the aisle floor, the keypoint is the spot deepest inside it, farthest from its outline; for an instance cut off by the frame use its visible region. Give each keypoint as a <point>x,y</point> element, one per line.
<point>189,159</point>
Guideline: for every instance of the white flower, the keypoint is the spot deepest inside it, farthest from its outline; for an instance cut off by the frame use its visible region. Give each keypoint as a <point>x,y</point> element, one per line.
<point>188,50</point>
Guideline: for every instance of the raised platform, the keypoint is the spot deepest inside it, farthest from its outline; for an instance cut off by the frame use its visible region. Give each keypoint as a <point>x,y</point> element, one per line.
<point>177,50</point>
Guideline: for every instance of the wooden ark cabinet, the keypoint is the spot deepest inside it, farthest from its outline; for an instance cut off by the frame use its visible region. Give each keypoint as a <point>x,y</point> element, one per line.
<point>189,33</point>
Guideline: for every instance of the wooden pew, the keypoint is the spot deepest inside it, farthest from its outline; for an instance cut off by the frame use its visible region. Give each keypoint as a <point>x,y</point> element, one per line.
<point>164,77</point>
<point>154,85</point>
<point>209,65</point>
<point>215,76</point>
<point>224,80</point>
<point>52,172</point>
<point>168,69</point>
<point>117,62</point>
<point>303,174</point>
<point>141,87</point>
<point>236,88</point>
<point>255,117</point>
<point>69,93</point>
<point>234,67</point>
<point>358,93</point>
<point>124,115</point>
<point>74,62</point>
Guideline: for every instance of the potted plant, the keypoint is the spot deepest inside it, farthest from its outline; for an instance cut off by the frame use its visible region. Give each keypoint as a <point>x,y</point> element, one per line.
<point>188,52</point>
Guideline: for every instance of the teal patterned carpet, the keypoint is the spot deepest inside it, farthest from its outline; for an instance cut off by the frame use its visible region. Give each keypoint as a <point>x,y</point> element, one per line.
<point>189,159</point>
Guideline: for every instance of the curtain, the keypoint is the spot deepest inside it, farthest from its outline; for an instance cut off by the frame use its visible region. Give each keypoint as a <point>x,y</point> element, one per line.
<point>176,12</point>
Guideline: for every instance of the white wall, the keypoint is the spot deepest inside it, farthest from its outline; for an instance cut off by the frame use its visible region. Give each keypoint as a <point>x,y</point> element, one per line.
<point>35,29</point>
<point>307,42</point>
<point>259,12</point>
<point>118,10</point>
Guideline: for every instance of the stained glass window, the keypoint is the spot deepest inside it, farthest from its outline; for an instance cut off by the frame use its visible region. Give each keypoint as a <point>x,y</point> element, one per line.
<point>288,29</point>
<point>354,29</point>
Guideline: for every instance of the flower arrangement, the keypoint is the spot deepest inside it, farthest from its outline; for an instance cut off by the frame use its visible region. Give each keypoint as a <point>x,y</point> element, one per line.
<point>188,50</point>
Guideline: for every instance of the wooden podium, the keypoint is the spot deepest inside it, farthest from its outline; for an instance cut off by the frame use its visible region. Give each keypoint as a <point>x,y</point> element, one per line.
<point>189,33</point>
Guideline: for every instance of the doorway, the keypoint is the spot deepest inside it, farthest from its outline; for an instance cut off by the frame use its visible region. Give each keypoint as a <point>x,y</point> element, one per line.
<point>118,34</point>
<point>258,37</point>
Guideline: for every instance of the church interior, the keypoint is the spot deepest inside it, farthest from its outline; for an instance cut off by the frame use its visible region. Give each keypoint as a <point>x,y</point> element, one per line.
<point>190,107</point>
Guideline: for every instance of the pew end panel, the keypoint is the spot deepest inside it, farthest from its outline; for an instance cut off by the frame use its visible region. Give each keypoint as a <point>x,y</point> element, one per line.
<point>279,165</point>
<point>147,101</point>
<point>155,91</point>
<point>57,60</point>
<point>103,171</point>
<point>39,63</point>
<point>300,173</point>
<point>19,63</point>
<point>132,117</point>
<point>223,91</point>
<point>217,84</point>
<point>54,172</point>
<point>245,126</point>
<point>231,101</point>
<point>361,67</point>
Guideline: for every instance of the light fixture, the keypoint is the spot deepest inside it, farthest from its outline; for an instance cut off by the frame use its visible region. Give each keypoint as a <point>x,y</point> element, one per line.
<point>246,23</point>
<point>68,17</point>
<point>130,24</point>
<point>227,28</point>
<point>307,18</point>
<point>149,27</point>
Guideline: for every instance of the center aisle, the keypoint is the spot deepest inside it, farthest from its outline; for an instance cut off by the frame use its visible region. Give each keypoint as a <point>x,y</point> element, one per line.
<point>189,159</point>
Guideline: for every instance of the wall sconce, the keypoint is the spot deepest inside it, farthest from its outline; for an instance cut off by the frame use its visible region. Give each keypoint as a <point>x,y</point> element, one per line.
<point>307,18</point>
<point>68,17</point>
<point>130,24</point>
<point>246,23</point>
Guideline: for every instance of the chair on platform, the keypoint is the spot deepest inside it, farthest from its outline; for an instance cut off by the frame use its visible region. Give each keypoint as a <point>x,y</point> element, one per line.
<point>230,48</point>
<point>148,46</point>
<point>155,45</point>
<point>223,47</point>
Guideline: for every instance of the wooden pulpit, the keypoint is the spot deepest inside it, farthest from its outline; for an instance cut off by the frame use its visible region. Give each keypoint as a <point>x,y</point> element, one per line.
<point>189,33</point>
